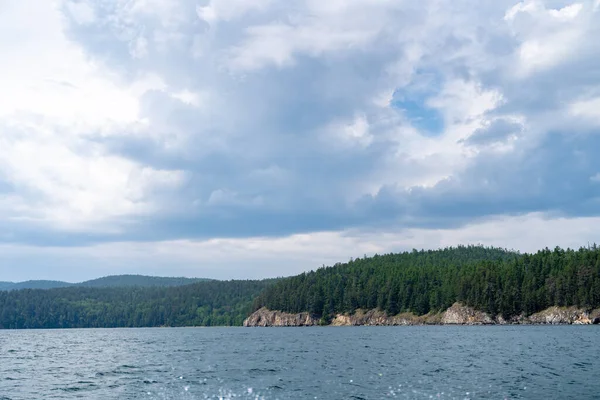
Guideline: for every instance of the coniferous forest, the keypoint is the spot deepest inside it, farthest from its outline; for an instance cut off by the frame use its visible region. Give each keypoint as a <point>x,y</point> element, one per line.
<point>493,280</point>
<point>208,303</point>
<point>496,281</point>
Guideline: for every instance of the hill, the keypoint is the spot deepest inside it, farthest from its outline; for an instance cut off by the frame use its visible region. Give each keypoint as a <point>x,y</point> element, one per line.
<point>493,280</point>
<point>107,281</point>
<point>139,280</point>
<point>34,284</point>
<point>205,303</point>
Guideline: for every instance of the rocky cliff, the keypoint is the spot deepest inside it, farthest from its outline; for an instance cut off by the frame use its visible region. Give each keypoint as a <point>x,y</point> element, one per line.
<point>380,318</point>
<point>565,315</point>
<point>461,315</point>
<point>458,314</point>
<point>264,317</point>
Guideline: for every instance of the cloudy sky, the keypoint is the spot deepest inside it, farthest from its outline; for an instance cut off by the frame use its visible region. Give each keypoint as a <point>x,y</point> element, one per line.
<point>260,138</point>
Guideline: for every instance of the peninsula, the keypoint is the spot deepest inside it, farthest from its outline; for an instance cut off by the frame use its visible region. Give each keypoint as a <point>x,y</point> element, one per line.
<point>457,285</point>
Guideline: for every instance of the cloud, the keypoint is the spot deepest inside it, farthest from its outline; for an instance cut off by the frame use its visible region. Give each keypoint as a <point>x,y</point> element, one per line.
<point>227,10</point>
<point>165,121</point>
<point>259,257</point>
<point>588,109</point>
<point>58,100</point>
<point>495,131</point>
<point>548,35</point>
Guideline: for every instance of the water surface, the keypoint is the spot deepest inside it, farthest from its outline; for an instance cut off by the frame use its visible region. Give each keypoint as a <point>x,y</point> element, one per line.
<point>439,362</point>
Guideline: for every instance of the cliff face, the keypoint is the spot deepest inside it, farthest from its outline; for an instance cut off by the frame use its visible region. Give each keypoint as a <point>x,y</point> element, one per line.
<point>564,315</point>
<point>461,315</point>
<point>264,317</point>
<point>379,318</point>
<point>455,315</point>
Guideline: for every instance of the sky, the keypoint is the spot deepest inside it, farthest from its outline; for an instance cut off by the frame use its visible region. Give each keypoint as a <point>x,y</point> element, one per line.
<point>261,138</point>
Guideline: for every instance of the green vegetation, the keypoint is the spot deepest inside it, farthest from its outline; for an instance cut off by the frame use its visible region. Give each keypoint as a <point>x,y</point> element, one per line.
<point>497,281</point>
<point>206,303</point>
<point>493,280</point>
<point>37,284</point>
<point>107,281</point>
<point>139,280</point>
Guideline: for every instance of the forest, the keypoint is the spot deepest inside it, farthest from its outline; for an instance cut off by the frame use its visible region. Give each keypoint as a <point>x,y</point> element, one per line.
<point>206,303</point>
<point>494,280</point>
<point>497,281</point>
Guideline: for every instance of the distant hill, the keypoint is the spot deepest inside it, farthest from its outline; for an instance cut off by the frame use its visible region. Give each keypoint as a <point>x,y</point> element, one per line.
<point>39,284</point>
<point>105,282</point>
<point>207,303</point>
<point>5,285</point>
<point>140,280</point>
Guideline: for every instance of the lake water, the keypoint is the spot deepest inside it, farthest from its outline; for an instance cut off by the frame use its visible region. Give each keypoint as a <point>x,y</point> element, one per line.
<point>439,362</point>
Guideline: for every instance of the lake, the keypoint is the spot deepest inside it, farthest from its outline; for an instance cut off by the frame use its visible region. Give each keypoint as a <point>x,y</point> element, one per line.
<point>419,362</point>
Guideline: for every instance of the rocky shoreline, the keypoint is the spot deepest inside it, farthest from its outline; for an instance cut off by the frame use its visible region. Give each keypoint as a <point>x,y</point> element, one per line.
<point>458,314</point>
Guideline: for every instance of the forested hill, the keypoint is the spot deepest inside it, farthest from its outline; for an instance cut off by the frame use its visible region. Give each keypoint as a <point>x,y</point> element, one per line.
<point>489,279</point>
<point>139,280</point>
<point>205,303</point>
<point>33,284</point>
<point>107,281</point>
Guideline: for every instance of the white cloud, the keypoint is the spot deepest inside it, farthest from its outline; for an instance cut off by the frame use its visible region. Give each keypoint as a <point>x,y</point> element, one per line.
<point>81,12</point>
<point>588,109</point>
<point>51,77</point>
<point>567,12</point>
<point>461,101</point>
<point>548,37</point>
<point>55,98</point>
<point>77,187</point>
<point>278,43</point>
<point>188,97</point>
<point>227,10</point>
<point>138,48</point>
<point>320,29</point>
<point>524,6</point>
<point>547,51</point>
<point>350,133</point>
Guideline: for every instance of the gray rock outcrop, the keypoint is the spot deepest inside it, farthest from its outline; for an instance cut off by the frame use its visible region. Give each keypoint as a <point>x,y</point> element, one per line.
<point>264,317</point>
<point>457,314</point>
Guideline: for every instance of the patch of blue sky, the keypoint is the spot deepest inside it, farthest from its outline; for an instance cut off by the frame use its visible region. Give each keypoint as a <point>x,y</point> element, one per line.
<point>426,119</point>
<point>412,101</point>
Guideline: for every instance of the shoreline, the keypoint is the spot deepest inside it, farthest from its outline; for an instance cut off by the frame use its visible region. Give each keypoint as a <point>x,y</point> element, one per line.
<point>457,314</point>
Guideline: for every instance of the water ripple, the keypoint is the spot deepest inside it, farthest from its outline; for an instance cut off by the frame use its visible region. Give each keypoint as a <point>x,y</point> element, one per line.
<point>322,363</point>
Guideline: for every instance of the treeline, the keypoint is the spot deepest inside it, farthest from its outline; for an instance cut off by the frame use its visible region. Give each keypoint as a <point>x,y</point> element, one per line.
<point>107,281</point>
<point>209,303</point>
<point>494,280</point>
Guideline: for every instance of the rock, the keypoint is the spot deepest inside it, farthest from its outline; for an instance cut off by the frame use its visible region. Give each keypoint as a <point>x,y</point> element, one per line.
<point>264,317</point>
<point>458,314</point>
<point>561,315</point>
<point>379,318</point>
<point>463,315</point>
<point>514,320</point>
